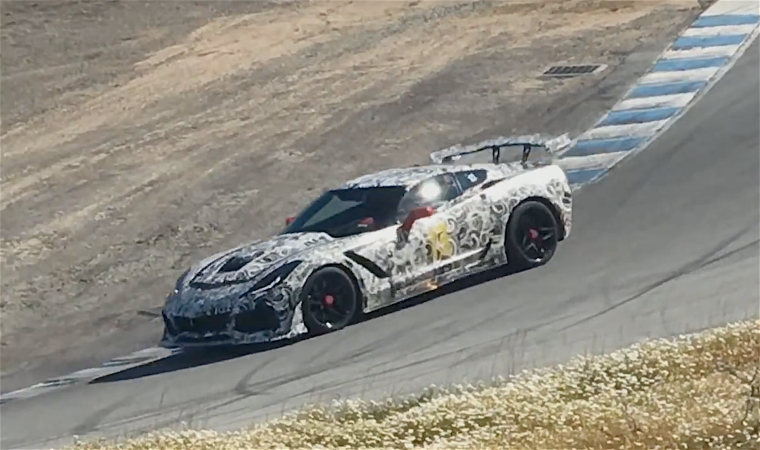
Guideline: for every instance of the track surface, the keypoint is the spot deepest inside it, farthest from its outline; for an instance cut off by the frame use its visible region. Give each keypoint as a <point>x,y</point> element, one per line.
<point>667,243</point>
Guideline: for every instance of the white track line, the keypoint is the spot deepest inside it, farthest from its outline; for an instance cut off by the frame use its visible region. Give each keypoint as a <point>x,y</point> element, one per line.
<point>627,130</point>
<point>703,52</point>
<point>679,75</point>
<point>600,161</point>
<point>657,101</point>
<point>720,30</point>
<point>733,7</point>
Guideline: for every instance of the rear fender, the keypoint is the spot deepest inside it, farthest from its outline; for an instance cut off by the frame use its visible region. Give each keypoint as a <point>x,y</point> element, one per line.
<point>547,185</point>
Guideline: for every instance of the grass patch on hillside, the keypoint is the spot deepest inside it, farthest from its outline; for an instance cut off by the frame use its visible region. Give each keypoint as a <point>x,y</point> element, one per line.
<point>698,391</point>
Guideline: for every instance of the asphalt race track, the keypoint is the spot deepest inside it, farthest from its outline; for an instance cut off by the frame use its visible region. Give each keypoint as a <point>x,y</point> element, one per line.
<point>667,243</point>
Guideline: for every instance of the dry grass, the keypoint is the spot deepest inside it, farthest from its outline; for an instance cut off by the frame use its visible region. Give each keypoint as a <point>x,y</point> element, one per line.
<point>140,137</point>
<point>699,391</point>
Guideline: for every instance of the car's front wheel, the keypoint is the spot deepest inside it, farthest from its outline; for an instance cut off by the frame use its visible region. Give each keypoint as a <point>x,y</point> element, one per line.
<point>329,301</point>
<point>532,235</point>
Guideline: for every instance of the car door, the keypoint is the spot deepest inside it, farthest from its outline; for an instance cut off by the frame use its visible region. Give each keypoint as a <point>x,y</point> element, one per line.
<point>471,213</point>
<point>439,240</point>
<point>470,226</point>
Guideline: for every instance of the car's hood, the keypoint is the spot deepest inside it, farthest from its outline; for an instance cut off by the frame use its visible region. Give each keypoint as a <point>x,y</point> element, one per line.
<point>244,263</point>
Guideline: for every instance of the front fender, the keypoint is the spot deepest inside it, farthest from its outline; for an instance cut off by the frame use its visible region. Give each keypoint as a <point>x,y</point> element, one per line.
<point>363,261</point>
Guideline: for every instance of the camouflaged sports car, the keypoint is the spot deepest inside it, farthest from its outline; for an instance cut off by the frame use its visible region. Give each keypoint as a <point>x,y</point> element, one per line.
<point>378,240</point>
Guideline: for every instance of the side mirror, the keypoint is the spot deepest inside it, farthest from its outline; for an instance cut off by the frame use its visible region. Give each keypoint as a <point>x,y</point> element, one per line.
<point>289,220</point>
<point>415,215</point>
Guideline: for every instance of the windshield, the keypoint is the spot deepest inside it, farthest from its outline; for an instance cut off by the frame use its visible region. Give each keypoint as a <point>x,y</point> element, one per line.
<point>347,212</point>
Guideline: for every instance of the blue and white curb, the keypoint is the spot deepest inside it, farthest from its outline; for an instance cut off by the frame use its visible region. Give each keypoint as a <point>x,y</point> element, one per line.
<point>685,71</point>
<point>693,63</point>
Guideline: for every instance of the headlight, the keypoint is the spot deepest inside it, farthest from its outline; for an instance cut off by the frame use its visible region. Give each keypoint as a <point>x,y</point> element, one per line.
<point>177,286</point>
<point>274,277</point>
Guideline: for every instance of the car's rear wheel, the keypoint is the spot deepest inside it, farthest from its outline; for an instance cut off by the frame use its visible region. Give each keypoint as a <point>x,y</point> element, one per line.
<point>330,301</point>
<point>532,235</point>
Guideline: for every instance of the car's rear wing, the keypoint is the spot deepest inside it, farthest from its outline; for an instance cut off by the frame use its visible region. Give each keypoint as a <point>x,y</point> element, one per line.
<point>550,144</point>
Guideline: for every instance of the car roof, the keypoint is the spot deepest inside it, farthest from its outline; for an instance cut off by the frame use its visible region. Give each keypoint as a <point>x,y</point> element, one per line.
<point>407,176</point>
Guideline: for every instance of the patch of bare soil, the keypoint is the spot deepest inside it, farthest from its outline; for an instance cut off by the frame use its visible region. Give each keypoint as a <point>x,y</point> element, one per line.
<point>140,136</point>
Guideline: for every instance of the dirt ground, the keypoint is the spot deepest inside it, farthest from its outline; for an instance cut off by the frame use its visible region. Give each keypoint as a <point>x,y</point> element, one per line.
<point>139,136</point>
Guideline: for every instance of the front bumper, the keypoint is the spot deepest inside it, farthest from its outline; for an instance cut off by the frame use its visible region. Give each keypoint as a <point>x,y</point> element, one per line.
<point>262,323</point>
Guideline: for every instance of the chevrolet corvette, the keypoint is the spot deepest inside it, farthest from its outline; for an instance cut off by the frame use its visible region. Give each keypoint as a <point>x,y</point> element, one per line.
<point>378,240</point>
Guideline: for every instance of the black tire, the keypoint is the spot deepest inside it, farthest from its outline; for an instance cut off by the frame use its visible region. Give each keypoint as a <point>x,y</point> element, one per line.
<point>321,317</point>
<point>531,236</point>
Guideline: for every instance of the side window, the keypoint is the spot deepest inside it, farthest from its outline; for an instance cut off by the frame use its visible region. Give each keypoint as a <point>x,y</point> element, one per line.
<point>431,192</point>
<point>471,178</point>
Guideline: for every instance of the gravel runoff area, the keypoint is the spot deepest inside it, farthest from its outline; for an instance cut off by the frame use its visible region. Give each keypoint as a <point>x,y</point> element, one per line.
<point>697,391</point>
<point>139,136</point>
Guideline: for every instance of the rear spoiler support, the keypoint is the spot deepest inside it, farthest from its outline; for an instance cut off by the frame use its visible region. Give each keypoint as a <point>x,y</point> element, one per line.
<point>551,144</point>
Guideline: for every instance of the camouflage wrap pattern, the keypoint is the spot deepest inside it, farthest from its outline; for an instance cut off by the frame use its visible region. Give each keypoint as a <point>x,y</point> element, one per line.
<point>221,299</point>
